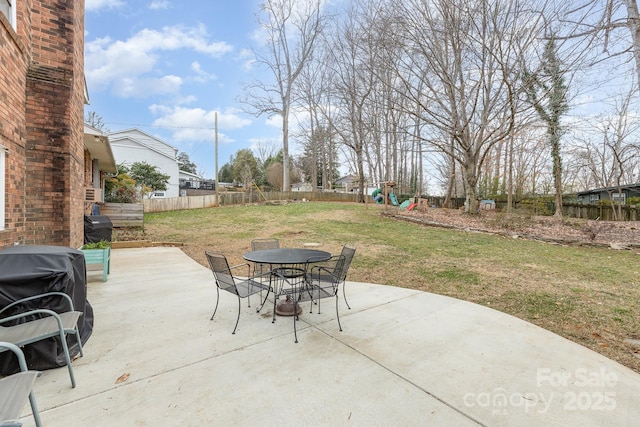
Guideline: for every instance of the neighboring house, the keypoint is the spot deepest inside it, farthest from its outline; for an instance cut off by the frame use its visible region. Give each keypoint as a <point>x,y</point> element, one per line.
<point>347,183</point>
<point>609,193</point>
<point>43,93</point>
<point>189,180</point>
<point>133,145</point>
<point>302,186</point>
<point>99,164</point>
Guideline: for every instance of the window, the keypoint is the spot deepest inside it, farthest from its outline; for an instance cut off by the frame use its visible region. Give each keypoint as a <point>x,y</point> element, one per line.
<point>3,156</point>
<point>594,198</point>
<point>7,7</point>
<point>619,198</point>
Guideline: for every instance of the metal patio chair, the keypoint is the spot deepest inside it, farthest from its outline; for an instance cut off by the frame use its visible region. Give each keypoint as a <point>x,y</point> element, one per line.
<point>323,280</point>
<point>348,252</point>
<point>261,244</point>
<point>15,389</point>
<point>41,323</point>
<point>227,281</point>
<point>332,272</point>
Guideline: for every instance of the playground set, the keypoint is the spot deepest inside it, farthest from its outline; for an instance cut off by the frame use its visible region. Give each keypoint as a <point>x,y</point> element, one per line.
<point>386,193</point>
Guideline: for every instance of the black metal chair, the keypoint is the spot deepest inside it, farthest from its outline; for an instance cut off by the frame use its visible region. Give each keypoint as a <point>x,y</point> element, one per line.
<point>323,280</point>
<point>261,244</point>
<point>333,272</point>
<point>265,243</point>
<point>227,281</point>
<point>348,252</point>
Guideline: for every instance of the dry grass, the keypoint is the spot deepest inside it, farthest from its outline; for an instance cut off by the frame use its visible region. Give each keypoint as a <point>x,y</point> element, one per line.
<point>588,295</point>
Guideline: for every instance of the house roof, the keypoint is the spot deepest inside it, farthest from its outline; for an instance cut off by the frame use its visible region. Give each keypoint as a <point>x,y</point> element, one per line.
<point>188,174</point>
<point>140,135</point>
<point>145,140</point>
<point>97,143</point>
<point>631,187</point>
<point>349,179</point>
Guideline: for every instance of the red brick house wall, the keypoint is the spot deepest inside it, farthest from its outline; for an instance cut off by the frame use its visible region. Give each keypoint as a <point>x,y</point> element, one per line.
<point>42,90</point>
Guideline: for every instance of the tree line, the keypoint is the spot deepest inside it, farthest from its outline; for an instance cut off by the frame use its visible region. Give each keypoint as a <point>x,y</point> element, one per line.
<point>473,98</point>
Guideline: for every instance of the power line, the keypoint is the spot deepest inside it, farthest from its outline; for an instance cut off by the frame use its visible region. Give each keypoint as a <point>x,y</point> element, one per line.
<point>159,126</point>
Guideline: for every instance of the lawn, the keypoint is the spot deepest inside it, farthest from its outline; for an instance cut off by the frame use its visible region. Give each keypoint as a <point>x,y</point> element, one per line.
<point>587,295</point>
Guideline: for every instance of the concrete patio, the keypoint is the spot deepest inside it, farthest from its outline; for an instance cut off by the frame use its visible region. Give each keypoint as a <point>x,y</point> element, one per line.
<point>404,358</point>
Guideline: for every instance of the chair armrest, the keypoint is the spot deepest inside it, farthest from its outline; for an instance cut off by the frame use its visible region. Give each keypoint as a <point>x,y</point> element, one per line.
<point>281,276</point>
<point>265,274</point>
<point>19,354</point>
<point>39,296</point>
<point>245,264</point>
<point>329,266</point>
<point>33,312</point>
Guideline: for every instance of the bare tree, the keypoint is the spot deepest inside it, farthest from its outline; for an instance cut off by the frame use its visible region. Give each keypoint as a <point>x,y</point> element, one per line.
<point>290,30</point>
<point>599,23</point>
<point>466,57</point>
<point>353,86</point>
<point>611,155</point>
<point>94,120</point>
<point>547,91</point>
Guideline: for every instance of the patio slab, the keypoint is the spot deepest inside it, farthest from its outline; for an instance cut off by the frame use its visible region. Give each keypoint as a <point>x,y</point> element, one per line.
<point>404,357</point>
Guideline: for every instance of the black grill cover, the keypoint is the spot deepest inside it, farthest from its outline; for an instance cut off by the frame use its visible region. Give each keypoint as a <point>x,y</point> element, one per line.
<point>96,228</point>
<point>33,270</point>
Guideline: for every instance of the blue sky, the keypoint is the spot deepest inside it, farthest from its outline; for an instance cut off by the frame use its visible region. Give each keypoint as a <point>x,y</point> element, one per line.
<point>165,67</point>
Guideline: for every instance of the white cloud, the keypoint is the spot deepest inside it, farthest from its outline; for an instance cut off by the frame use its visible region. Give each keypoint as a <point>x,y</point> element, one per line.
<point>196,124</point>
<point>159,4</point>
<point>248,59</point>
<point>201,75</point>
<point>274,121</point>
<point>95,5</point>
<point>141,88</point>
<point>119,64</point>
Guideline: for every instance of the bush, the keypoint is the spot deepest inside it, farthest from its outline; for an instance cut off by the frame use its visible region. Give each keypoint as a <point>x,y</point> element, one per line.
<point>102,244</point>
<point>633,201</point>
<point>539,206</point>
<point>121,189</point>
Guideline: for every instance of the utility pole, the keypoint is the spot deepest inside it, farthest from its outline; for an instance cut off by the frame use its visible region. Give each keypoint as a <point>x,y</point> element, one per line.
<point>216,142</point>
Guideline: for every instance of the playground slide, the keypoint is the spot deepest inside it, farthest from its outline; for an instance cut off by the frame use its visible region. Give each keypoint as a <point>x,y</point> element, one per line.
<point>412,206</point>
<point>377,196</point>
<point>394,199</point>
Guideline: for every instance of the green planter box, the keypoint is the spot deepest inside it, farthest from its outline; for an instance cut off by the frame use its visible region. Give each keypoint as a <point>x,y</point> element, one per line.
<point>99,256</point>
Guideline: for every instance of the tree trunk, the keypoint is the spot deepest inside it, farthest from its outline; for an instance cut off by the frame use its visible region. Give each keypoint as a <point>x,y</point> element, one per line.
<point>633,21</point>
<point>286,185</point>
<point>471,204</point>
<point>557,170</point>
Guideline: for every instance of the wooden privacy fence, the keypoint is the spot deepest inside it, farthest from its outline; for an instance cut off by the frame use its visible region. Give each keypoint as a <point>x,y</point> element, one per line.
<point>132,214</point>
<point>241,198</point>
<point>601,212</point>
<point>123,215</point>
<point>179,203</point>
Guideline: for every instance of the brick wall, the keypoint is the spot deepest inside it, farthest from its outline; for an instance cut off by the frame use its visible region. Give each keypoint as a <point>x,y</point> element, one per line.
<point>13,68</point>
<point>41,123</point>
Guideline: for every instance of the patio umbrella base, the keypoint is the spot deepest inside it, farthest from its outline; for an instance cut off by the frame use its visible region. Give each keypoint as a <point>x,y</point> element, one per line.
<point>287,308</point>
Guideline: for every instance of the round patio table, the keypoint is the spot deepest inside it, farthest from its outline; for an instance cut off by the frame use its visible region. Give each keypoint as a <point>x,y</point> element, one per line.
<point>289,262</point>
<point>286,256</point>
